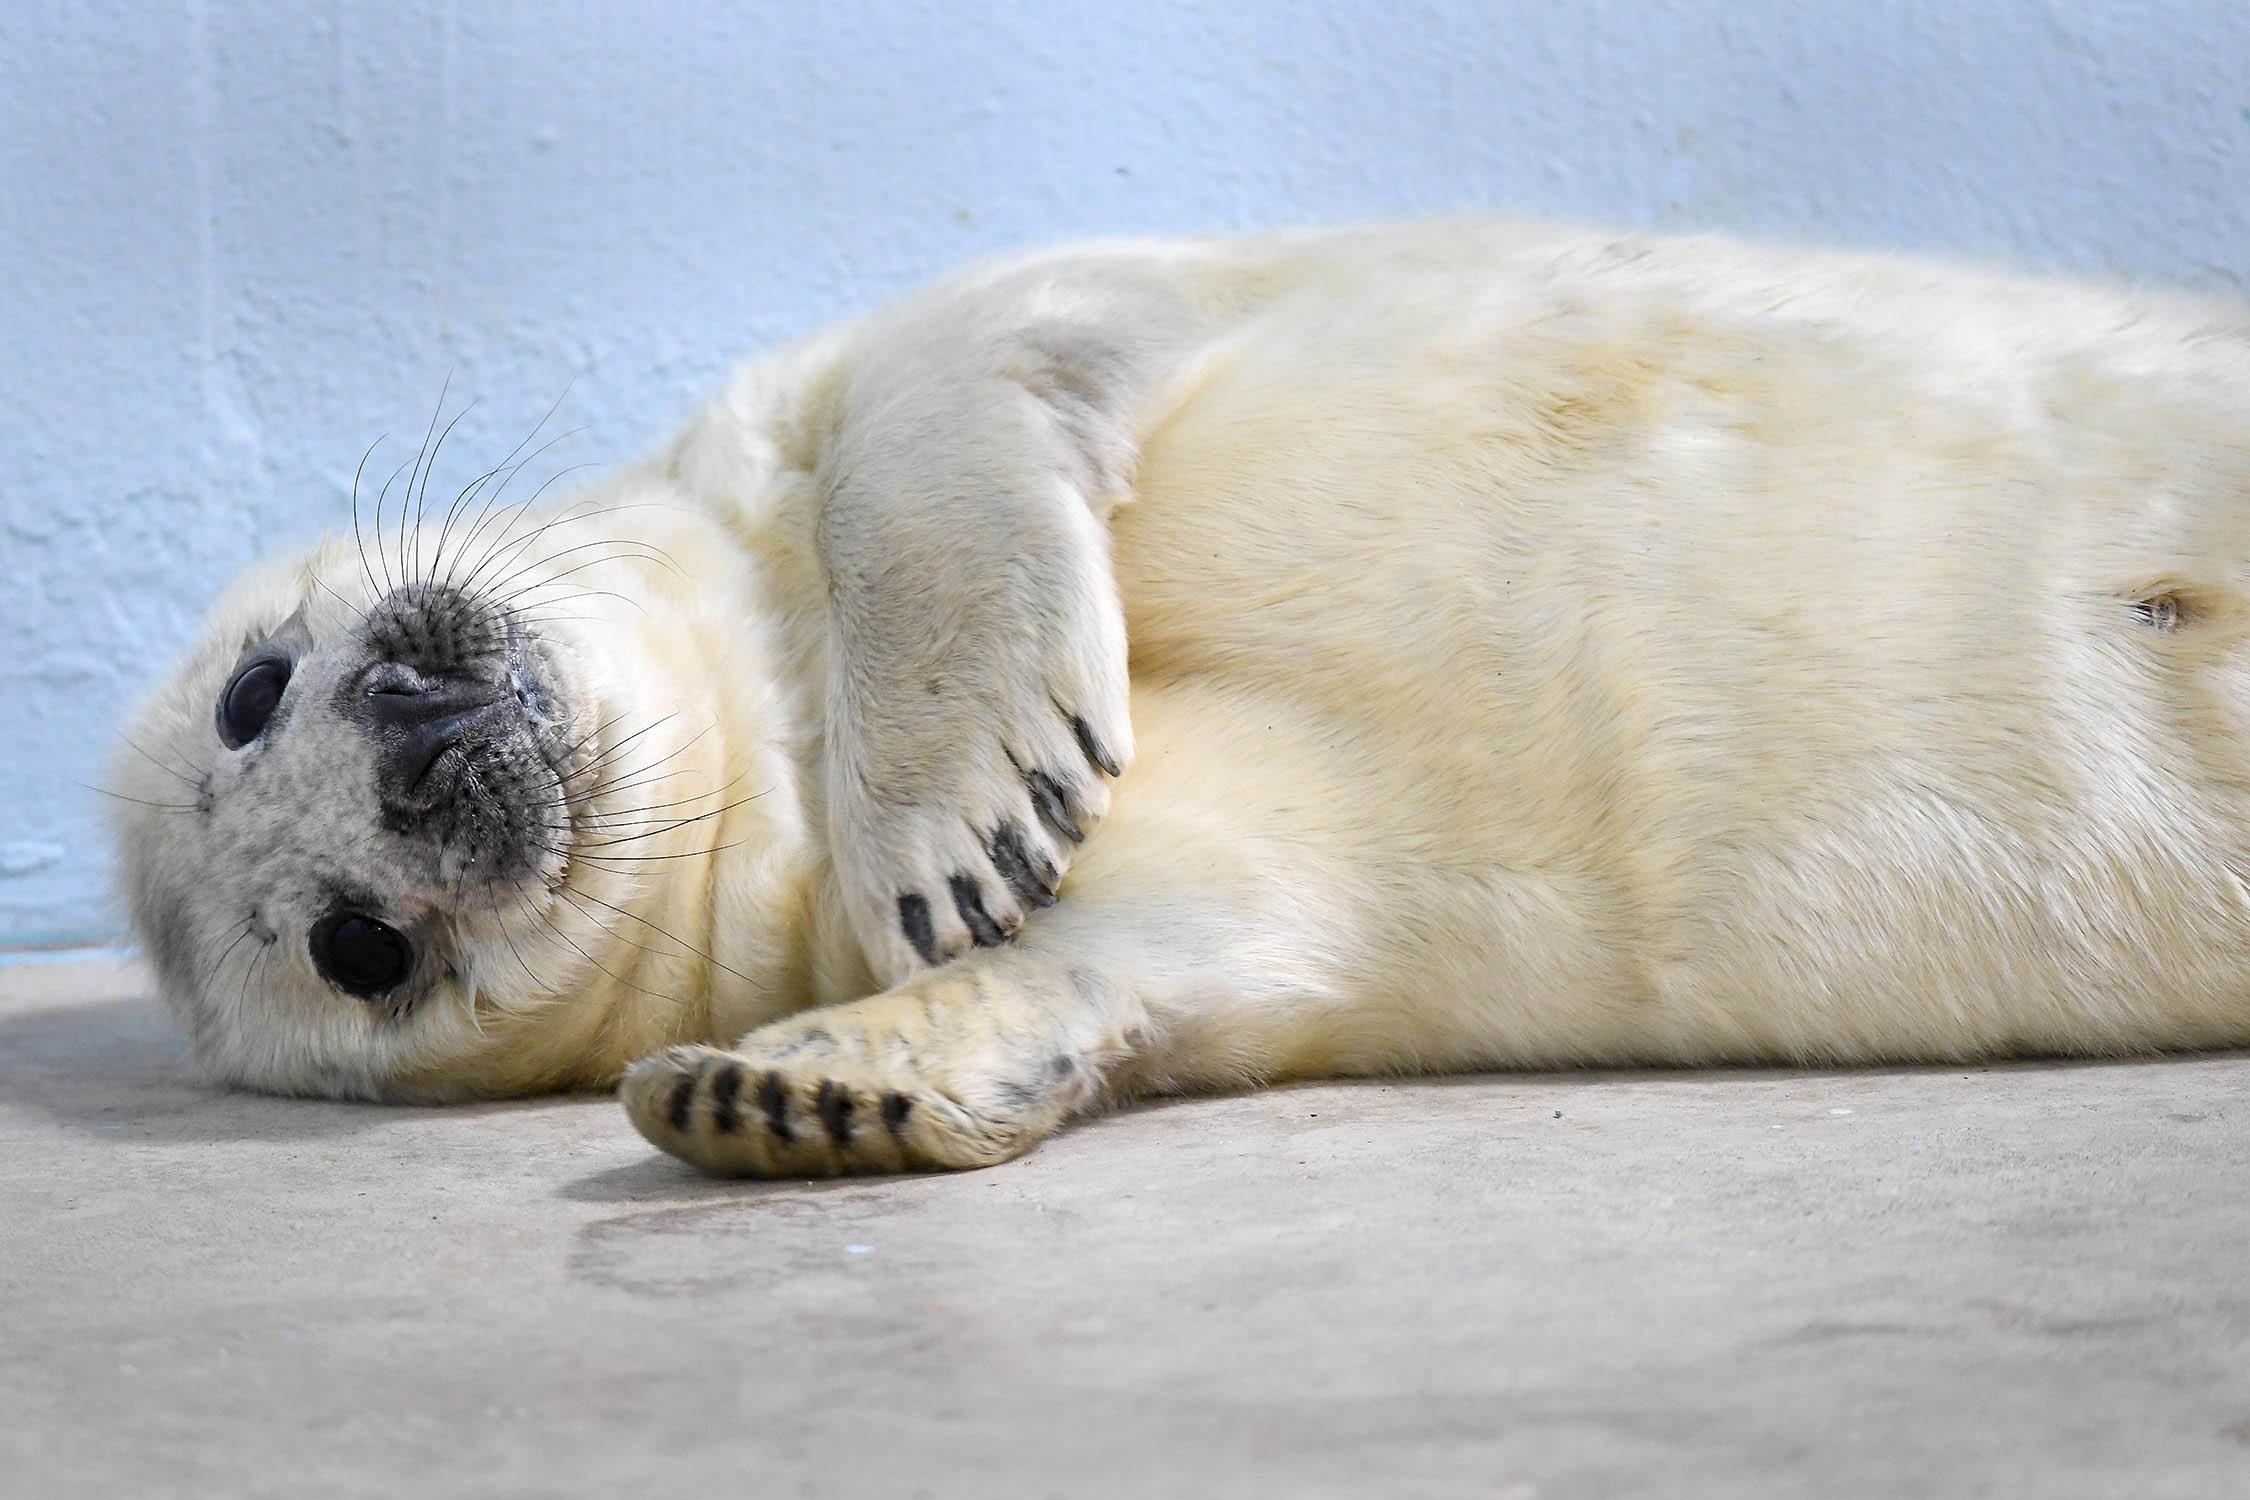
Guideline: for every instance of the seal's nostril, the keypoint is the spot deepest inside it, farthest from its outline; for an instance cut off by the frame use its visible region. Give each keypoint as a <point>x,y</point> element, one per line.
<point>411,756</point>
<point>418,726</point>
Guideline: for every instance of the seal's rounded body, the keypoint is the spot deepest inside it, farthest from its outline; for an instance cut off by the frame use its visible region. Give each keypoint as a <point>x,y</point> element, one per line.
<point>1644,677</point>
<point>1544,648</point>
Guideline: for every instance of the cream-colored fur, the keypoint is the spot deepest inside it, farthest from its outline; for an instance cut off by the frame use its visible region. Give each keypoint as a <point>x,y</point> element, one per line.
<point>1545,648</point>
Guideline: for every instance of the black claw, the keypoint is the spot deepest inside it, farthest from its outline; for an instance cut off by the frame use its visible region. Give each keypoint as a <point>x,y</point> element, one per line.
<point>1054,804</point>
<point>896,1107</point>
<point>835,1108</point>
<point>1013,862</point>
<point>726,1099</point>
<point>677,1108</point>
<point>968,900</point>
<point>914,921</point>
<point>1092,747</point>
<point>773,1098</point>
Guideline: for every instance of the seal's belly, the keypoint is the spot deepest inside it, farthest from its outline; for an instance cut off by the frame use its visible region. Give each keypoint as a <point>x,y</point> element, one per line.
<point>1620,674</point>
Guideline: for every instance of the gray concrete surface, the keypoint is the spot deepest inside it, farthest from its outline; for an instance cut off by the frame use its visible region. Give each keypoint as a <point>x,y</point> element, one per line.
<point>2026,1281</point>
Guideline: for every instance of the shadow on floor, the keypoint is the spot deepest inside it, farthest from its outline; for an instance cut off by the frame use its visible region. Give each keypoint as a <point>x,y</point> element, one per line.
<point>659,1181</point>
<point>119,1070</point>
<point>662,1181</point>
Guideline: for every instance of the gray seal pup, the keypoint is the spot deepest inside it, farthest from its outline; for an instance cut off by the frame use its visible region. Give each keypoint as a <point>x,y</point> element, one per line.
<point>1173,666</point>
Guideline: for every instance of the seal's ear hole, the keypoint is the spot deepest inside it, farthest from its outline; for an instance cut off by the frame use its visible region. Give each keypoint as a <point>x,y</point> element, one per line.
<point>2162,612</point>
<point>2173,606</point>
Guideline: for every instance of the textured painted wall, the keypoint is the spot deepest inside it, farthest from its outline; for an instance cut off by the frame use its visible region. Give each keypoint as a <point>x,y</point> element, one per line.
<point>239,239</point>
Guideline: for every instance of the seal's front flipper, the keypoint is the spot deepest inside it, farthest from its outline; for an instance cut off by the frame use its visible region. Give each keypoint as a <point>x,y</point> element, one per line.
<point>963,1066</point>
<point>976,702</point>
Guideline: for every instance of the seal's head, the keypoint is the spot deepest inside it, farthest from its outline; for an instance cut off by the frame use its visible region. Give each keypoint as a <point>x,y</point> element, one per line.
<point>386,813</point>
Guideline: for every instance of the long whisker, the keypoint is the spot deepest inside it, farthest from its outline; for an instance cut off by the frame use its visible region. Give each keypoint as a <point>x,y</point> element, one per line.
<point>627,548</point>
<point>649,547</point>
<point>597,821</point>
<point>521,596</point>
<point>610,932</point>
<point>252,969</point>
<point>500,544</point>
<point>612,860</point>
<point>563,619</point>
<point>240,930</point>
<point>421,501</point>
<point>624,778</point>
<point>576,511</point>
<point>499,491</point>
<point>377,526</point>
<point>581,742</point>
<point>358,539</point>
<point>423,452</point>
<point>609,787</point>
<point>195,781</point>
<point>667,936</point>
<point>502,923</point>
<point>467,493</point>
<point>513,611</point>
<point>364,619</point>
<point>592,765</point>
<point>671,826</point>
<point>556,929</point>
<point>460,499</point>
<point>140,801</point>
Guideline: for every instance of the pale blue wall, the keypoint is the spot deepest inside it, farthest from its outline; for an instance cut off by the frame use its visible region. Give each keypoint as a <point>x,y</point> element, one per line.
<point>239,239</point>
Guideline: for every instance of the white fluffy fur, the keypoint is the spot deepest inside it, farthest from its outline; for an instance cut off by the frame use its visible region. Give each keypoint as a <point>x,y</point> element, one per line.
<point>1546,648</point>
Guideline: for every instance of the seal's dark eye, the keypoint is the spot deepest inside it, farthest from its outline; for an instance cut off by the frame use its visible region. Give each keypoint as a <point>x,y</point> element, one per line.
<point>250,700</point>
<point>359,955</point>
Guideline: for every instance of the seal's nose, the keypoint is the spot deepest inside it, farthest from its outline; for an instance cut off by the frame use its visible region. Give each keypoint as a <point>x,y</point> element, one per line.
<point>419,724</point>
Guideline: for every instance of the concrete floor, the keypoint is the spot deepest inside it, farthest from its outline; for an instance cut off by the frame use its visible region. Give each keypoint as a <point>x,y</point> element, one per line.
<point>2022,1281</point>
